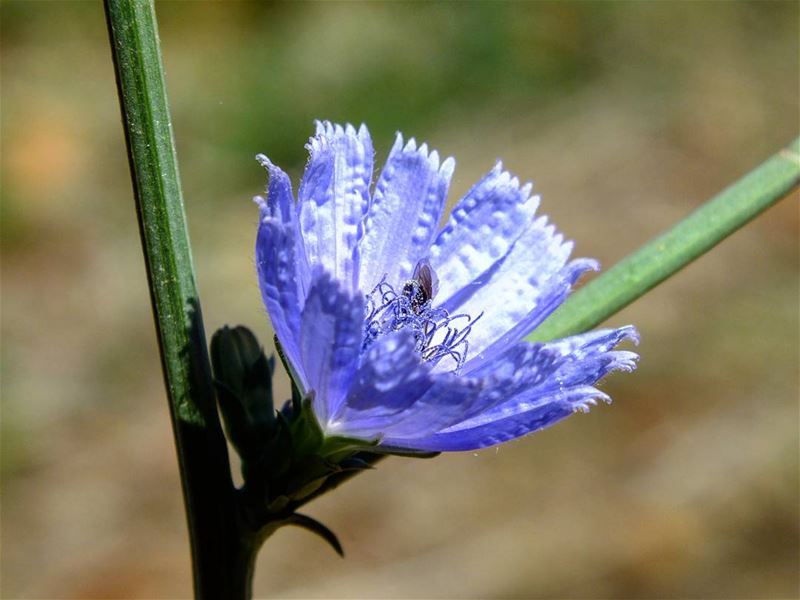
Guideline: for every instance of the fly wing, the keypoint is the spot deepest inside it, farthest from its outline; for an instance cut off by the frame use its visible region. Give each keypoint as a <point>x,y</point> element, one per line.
<point>427,278</point>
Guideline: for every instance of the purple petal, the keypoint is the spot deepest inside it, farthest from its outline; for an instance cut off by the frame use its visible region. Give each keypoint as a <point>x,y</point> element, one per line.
<point>539,385</point>
<point>528,371</point>
<point>404,215</point>
<point>334,196</point>
<point>331,333</point>
<point>508,322</point>
<point>527,283</point>
<point>445,403</point>
<point>556,291</point>
<point>279,202</point>
<point>599,340</point>
<point>508,428</point>
<point>394,395</point>
<point>390,379</point>
<point>391,375</point>
<point>280,262</point>
<point>480,231</point>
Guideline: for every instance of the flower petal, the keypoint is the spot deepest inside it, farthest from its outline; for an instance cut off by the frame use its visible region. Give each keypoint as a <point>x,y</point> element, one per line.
<point>331,333</point>
<point>524,290</point>
<point>480,231</point>
<point>539,369</point>
<point>508,428</point>
<point>390,379</point>
<point>394,395</point>
<point>279,202</point>
<point>540,384</point>
<point>280,261</point>
<point>551,297</point>
<point>405,213</point>
<point>593,342</point>
<point>334,196</point>
<point>442,405</point>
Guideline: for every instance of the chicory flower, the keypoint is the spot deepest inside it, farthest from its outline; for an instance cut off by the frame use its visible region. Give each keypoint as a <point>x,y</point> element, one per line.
<point>410,335</point>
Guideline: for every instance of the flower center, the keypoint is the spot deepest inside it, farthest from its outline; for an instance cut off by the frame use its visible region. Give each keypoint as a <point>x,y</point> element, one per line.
<point>438,335</point>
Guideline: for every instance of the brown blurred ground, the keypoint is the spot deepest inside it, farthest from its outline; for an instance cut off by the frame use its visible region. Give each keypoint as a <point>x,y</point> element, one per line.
<point>626,116</point>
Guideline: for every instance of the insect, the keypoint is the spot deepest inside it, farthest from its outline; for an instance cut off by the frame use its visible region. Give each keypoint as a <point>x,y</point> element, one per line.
<point>422,286</point>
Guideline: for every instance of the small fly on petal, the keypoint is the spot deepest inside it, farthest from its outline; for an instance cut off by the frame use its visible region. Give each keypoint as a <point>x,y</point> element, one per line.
<point>422,286</point>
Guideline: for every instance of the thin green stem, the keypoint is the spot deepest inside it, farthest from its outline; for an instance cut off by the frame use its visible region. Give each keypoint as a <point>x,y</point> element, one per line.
<point>667,254</point>
<point>222,557</point>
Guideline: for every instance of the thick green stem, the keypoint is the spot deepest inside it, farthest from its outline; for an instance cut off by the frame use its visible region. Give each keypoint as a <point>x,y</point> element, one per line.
<point>222,559</point>
<point>666,255</point>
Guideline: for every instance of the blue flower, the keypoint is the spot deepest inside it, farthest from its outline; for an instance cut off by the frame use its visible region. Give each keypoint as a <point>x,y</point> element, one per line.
<point>411,334</point>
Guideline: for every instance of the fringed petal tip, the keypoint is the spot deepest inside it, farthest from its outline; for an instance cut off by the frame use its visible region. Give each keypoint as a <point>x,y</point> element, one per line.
<point>624,360</point>
<point>263,206</point>
<point>620,360</point>
<point>576,268</point>
<point>586,398</point>
<point>600,340</point>
<point>409,148</point>
<point>279,200</point>
<point>329,129</point>
<point>264,161</point>
<point>557,247</point>
<point>628,332</point>
<point>327,132</point>
<point>334,196</point>
<point>482,229</point>
<point>507,179</point>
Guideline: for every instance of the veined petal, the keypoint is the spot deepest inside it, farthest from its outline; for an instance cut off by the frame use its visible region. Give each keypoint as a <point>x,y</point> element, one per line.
<point>540,384</point>
<point>593,342</point>
<point>507,428</point>
<point>394,395</point>
<point>442,405</point>
<point>280,262</point>
<point>480,231</point>
<point>389,380</point>
<point>334,196</point>
<point>279,202</point>
<point>555,292</point>
<point>508,323</point>
<point>527,371</point>
<point>526,284</point>
<point>277,278</point>
<point>331,333</point>
<point>405,212</point>
<point>280,205</point>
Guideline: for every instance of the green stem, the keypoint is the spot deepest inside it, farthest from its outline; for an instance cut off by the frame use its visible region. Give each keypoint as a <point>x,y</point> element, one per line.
<point>667,254</point>
<point>222,558</point>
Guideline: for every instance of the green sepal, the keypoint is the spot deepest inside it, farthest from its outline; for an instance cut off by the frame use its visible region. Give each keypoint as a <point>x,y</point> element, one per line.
<point>404,452</point>
<point>279,504</point>
<point>309,438</point>
<point>337,448</point>
<point>243,380</point>
<point>306,433</point>
<point>298,392</point>
<point>355,463</point>
<point>317,528</point>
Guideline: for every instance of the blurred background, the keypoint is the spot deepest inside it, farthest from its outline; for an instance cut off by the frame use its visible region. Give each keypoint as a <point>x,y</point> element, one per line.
<point>625,115</point>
